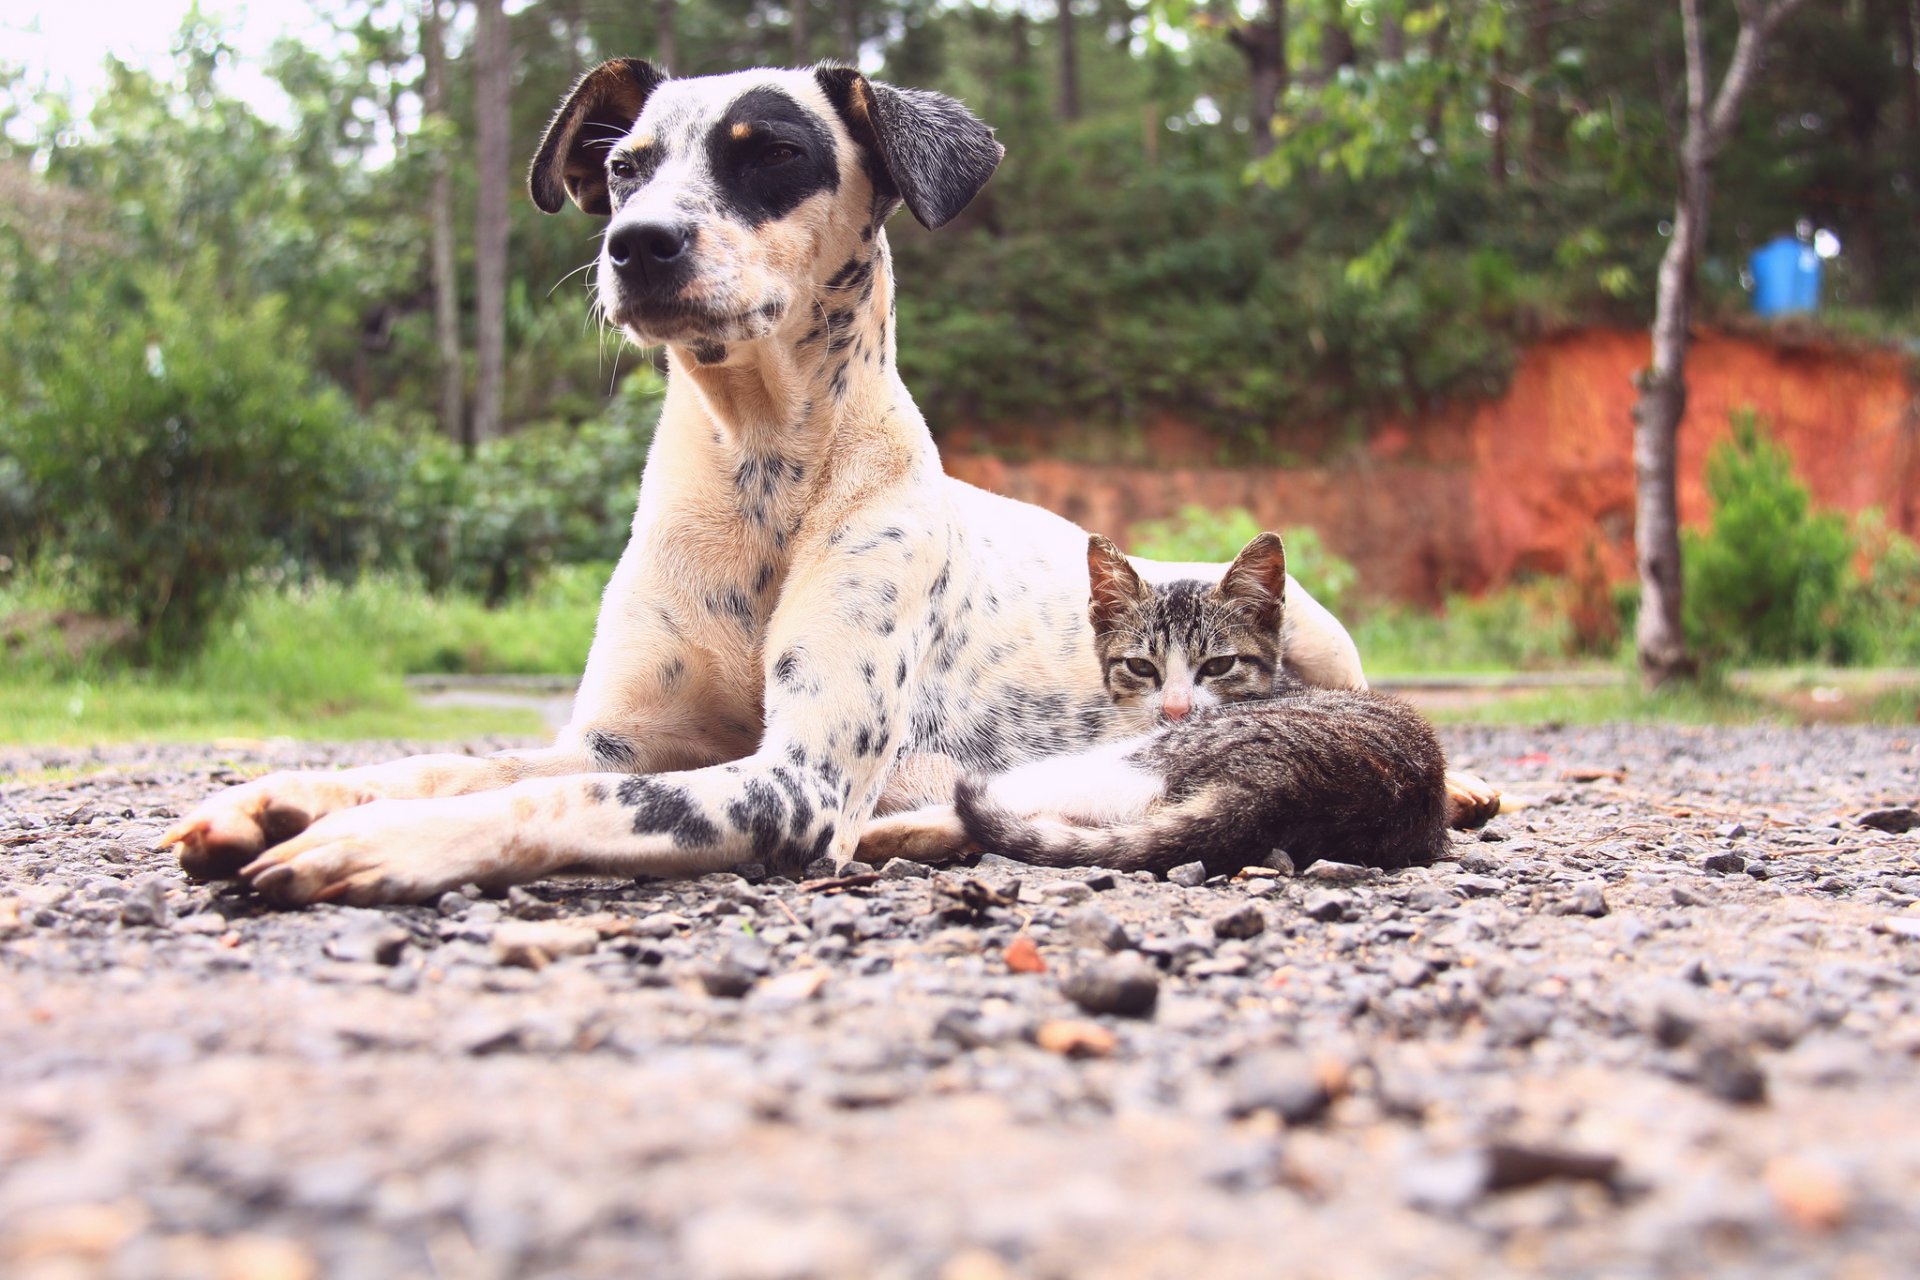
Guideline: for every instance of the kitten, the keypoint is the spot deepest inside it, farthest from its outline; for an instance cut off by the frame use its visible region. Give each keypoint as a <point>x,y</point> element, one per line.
<point>1244,759</point>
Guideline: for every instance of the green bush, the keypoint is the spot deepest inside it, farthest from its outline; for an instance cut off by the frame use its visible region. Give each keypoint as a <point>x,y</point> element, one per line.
<point>165,440</point>
<point>1200,534</point>
<point>1770,579</point>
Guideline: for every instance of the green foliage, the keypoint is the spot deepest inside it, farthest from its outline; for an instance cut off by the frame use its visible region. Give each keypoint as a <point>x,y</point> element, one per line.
<point>169,441</point>
<point>1523,628</point>
<point>1198,533</point>
<point>1769,580</point>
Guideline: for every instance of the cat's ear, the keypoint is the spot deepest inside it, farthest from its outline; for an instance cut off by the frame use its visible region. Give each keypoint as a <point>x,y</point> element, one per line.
<point>1258,577</point>
<point>1116,589</point>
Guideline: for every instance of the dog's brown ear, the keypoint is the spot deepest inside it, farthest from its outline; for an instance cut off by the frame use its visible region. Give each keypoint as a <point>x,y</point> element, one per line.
<point>931,152</point>
<point>1258,576</point>
<point>572,159</point>
<point>1115,589</point>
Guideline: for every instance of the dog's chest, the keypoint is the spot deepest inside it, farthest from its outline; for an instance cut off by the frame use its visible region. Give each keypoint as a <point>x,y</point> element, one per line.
<point>1005,670</point>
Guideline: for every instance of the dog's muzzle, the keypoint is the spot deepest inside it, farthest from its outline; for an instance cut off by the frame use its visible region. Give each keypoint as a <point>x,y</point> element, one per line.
<point>652,260</point>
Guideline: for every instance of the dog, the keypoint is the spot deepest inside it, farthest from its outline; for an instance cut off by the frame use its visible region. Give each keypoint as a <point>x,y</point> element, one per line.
<point>811,622</point>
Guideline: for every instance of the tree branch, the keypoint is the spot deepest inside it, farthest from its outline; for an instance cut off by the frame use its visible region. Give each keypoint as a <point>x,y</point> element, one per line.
<point>1756,28</point>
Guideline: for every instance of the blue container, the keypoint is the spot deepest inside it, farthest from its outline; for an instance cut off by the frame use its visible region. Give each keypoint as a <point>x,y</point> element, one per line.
<point>1786,277</point>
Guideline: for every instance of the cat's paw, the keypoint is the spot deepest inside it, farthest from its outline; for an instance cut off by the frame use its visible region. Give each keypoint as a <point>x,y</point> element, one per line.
<point>1471,801</point>
<point>932,834</point>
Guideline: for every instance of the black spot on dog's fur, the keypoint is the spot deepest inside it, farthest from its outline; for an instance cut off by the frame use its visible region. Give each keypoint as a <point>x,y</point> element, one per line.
<point>752,185</point>
<point>660,808</point>
<point>610,749</point>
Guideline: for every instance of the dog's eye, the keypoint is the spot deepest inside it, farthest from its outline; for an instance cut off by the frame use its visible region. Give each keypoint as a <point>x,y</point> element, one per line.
<point>1218,666</point>
<point>621,167</point>
<point>1142,668</point>
<point>776,154</point>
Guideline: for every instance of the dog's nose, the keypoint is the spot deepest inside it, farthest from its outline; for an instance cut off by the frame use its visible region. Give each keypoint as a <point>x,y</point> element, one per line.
<point>642,247</point>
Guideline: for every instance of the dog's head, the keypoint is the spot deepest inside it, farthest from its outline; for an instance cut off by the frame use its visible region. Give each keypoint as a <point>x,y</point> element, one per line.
<point>732,199</point>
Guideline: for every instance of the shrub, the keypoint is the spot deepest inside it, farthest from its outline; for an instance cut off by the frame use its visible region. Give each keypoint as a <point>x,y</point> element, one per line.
<point>1217,536</point>
<point>1769,580</point>
<point>162,439</point>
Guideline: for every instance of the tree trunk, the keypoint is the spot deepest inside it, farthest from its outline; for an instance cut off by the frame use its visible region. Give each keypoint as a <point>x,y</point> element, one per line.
<point>848,12</point>
<point>1337,49</point>
<point>665,52</point>
<point>797,32</point>
<point>1263,42</point>
<point>1539,120</point>
<point>1497,107</point>
<point>1393,39</point>
<point>492,79</point>
<point>446,284</point>
<point>1069,104</point>
<point>1909,46</point>
<point>1659,636</point>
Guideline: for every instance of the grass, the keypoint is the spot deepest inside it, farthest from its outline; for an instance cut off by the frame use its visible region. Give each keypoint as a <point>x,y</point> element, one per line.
<point>308,661</point>
<point>326,661</point>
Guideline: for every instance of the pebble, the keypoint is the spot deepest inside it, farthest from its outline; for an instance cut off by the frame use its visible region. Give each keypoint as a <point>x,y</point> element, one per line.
<point>1730,830</point>
<point>1725,864</point>
<point>1189,875</point>
<point>1092,927</point>
<point>1475,886</point>
<point>904,869</point>
<point>1244,921</point>
<point>1075,1038</point>
<point>1730,1073</point>
<point>370,942</point>
<point>533,943</point>
<point>146,904</point>
<point>1327,906</point>
<point>1099,879</point>
<point>1683,896</point>
<point>1894,821</point>
<point>1122,984</point>
<point>1067,892</point>
<point>1343,873</point>
<point>1287,1083</point>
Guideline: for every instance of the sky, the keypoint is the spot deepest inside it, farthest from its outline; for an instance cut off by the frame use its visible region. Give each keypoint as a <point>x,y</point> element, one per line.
<point>64,42</point>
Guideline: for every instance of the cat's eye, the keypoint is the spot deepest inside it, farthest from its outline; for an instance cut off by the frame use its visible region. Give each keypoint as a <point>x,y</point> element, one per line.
<point>621,167</point>
<point>777,154</point>
<point>1218,666</point>
<point>1142,668</point>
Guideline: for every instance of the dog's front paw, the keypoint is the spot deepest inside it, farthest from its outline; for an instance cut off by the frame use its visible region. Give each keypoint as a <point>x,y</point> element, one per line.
<point>387,851</point>
<point>229,830</point>
<point>1471,801</point>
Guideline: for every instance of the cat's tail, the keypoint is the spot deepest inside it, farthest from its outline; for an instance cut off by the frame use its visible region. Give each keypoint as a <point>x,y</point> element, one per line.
<point>1158,840</point>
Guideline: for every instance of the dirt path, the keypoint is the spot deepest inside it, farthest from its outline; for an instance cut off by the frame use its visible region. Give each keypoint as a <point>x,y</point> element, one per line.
<point>1664,1021</point>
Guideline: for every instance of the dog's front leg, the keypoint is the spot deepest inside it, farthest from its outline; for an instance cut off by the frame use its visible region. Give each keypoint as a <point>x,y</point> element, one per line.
<point>840,651</point>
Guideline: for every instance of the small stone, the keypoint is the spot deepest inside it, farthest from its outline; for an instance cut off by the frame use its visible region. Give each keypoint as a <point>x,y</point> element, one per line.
<point>1123,984</point>
<point>1092,927</point>
<point>1432,897</point>
<point>821,868</point>
<point>1493,833</point>
<point>1290,1085</point>
<point>533,944</point>
<point>1409,971</point>
<point>1904,927</point>
<point>1099,879</point>
<point>146,904</point>
<point>452,903</point>
<point>904,869</point>
<point>1895,821</point>
<point>1280,862</point>
<point>1244,921</point>
<point>1730,830</point>
<point>1686,897</point>
<point>1188,875</point>
<point>997,862</point>
<point>1326,906</point>
<point>1729,1073</point>
<point>1261,886</point>
<point>795,985</point>
<point>1324,872</point>
<point>1023,956</point>
<point>1479,862</point>
<point>1588,899</point>
<point>1076,1038</point>
<point>528,905</point>
<point>371,943</point>
<point>207,923</point>
<point>726,980</point>
<point>1725,864</point>
<point>1478,886</point>
<point>1067,892</point>
<point>1811,1194</point>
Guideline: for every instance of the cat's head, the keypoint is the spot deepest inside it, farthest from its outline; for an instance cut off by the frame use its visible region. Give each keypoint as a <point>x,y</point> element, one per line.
<point>1183,648</point>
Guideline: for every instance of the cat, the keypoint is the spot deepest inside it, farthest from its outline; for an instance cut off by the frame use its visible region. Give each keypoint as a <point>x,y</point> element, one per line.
<point>1239,758</point>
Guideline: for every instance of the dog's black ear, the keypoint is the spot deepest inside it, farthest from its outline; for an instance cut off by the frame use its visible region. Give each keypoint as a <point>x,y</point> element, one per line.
<point>932,152</point>
<point>1258,576</point>
<point>572,159</point>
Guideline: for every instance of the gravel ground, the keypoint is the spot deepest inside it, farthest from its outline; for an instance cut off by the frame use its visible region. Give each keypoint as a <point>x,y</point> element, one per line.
<point>1662,1020</point>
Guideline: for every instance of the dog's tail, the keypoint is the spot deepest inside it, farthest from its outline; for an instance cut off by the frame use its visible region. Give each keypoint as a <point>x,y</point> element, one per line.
<point>1158,840</point>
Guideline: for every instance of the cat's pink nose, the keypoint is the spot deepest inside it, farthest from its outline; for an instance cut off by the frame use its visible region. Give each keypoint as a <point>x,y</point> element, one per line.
<point>1176,706</point>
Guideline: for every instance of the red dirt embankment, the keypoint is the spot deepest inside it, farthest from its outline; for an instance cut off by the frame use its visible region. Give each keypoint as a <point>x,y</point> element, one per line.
<point>1480,493</point>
